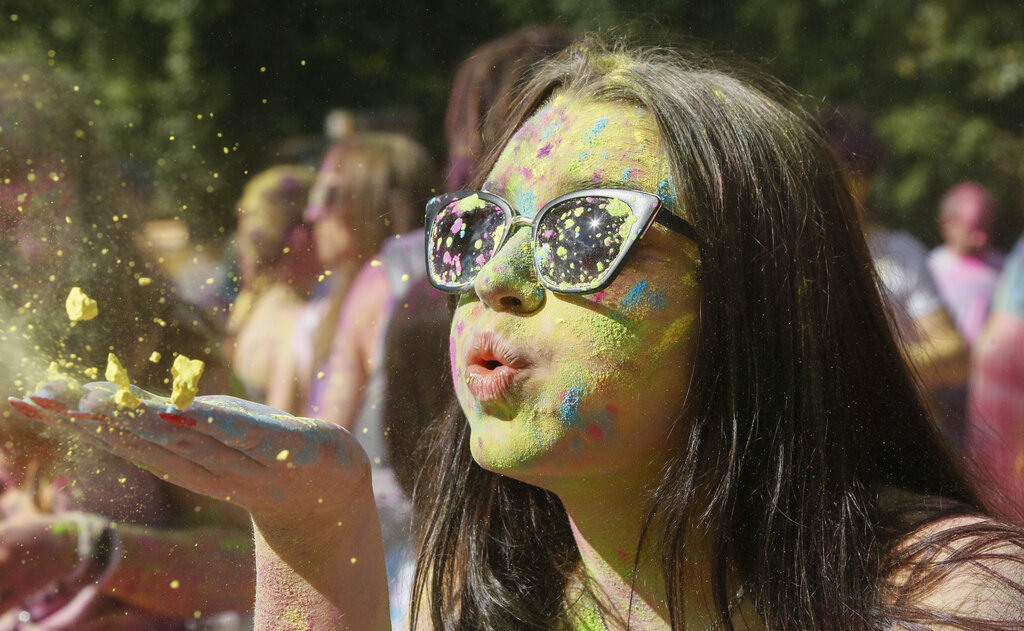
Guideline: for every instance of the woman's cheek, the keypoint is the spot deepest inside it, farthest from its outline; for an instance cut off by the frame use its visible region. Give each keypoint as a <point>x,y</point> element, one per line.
<point>459,340</point>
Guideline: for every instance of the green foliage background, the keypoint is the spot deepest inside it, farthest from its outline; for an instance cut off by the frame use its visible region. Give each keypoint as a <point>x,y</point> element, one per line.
<point>229,81</point>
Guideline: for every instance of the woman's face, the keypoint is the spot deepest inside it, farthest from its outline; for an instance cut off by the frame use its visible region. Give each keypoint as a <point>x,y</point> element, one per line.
<point>594,382</point>
<point>333,237</point>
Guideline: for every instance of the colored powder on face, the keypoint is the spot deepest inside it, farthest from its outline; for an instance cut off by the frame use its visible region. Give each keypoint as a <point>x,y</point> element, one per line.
<point>570,406</point>
<point>526,202</point>
<point>544,151</point>
<point>595,131</point>
<point>186,373</point>
<point>676,331</point>
<point>80,307</point>
<point>640,300</point>
<point>632,299</point>
<point>665,193</point>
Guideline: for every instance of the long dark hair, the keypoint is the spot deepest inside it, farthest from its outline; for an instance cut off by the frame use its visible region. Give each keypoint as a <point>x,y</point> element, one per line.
<point>801,410</point>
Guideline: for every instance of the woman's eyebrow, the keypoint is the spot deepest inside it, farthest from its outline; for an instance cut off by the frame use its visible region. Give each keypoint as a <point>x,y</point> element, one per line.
<point>599,181</point>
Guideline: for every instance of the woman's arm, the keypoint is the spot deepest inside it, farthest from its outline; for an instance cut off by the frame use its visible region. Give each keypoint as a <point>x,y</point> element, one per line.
<point>326,578</point>
<point>306,484</point>
<point>356,346</point>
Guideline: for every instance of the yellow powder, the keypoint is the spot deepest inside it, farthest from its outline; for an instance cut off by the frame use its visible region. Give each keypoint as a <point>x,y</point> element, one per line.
<point>186,373</point>
<point>125,399</point>
<point>144,281</point>
<point>80,307</point>
<point>115,372</point>
<point>154,357</point>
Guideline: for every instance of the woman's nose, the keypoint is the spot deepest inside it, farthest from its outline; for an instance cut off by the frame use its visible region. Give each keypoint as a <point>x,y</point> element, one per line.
<point>508,282</point>
<point>314,211</point>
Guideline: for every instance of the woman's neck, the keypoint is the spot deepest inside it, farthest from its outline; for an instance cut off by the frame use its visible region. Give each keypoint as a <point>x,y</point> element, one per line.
<point>607,521</point>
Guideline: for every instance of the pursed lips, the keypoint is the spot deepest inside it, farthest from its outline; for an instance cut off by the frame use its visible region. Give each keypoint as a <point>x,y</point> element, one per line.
<point>493,366</point>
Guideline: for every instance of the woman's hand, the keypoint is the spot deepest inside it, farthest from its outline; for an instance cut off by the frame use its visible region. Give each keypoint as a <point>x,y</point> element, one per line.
<point>279,467</point>
<point>35,551</point>
<point>306,483</point>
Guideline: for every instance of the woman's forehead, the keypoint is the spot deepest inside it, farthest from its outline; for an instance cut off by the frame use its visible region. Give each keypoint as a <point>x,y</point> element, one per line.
<point>573,143</point>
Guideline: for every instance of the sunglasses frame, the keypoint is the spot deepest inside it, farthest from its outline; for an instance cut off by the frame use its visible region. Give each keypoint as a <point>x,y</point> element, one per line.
<point>645,207</point>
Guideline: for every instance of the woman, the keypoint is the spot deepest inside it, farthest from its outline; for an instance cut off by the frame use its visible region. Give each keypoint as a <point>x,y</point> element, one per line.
<point>363,195</point>
<point>666,431</point>
<point>278,272</point>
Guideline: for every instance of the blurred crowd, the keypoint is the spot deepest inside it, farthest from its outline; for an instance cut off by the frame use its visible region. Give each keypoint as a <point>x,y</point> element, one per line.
<point>320,307</point>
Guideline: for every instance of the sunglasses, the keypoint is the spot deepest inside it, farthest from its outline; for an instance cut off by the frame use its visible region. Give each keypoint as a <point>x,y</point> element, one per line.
<point>579,240</point>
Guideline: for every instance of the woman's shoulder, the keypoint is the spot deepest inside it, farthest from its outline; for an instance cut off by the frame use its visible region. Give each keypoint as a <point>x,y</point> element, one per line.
<point>961,571</point>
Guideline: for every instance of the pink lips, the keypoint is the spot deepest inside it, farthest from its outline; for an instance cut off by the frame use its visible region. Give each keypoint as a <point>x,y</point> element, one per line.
<point>492,367</point>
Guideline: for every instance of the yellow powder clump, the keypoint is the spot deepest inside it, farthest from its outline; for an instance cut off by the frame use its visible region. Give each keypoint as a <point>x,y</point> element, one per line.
<point>155,357</point>
<point>186,373</point>
<point>144,281</point>
<point>116,373</point>
<point>125,399</point>
<point>80,307</point>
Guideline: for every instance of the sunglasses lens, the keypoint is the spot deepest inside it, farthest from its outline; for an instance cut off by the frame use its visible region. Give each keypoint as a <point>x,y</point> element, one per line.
<point>580,239</point>
<point>463,237</point>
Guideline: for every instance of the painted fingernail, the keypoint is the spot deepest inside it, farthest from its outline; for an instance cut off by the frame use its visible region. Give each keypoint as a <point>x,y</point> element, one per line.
<point>48,404</point>
<point>175,419</point>
<point>26,409</point>
<point>83,416</point>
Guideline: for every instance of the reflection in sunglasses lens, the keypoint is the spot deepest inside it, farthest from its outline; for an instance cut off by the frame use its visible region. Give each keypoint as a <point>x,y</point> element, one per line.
<point>579,240</point>
<point>463,237</point>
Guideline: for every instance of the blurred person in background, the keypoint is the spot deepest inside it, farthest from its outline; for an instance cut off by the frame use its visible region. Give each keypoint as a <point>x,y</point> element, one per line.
<point>933,347</point>
<point>995,411</point>
<point>365,192</point>
<point>86,542</point>
<point>278,269</point>
<point>965,267</point>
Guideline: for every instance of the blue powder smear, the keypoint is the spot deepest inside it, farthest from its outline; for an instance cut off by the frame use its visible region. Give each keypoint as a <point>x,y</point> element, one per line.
<point>667,198</point>
<point>570,406</point>
<point>595,130</point>
<point>638,295</point>
<point>526,203</point>
<point>635,295</point>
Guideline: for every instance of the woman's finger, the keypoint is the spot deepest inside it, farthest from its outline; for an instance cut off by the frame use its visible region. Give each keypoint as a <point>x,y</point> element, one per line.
<point>166,464</point>
<point>26,409</point>
<point>197,447</point>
